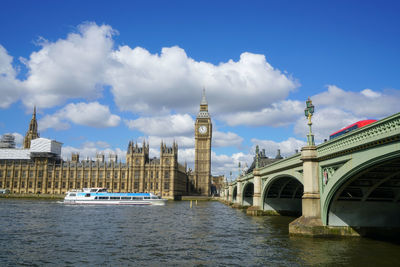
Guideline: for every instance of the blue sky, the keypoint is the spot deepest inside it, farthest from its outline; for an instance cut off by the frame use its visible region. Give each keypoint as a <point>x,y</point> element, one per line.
<point>105,72</point>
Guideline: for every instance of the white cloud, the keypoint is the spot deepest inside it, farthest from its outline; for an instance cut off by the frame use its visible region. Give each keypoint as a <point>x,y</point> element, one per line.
<point>53,121</point>
<point>367,103</point>
<point>287,147</point>
<point>166,126</point>
<point>186,156</point>
<point>89,150</point>
<point>244,92</point>
<point>179,128</point>
<point>221,139</point>
<point>279,114</point>
<point>80,65</point>
<point>69,68</point>
<point>325,122</point>
<point>221,164</point>
<point>19,139</point>
<point>337,108</point>
<point>370,94</point>
<point>183,141</point>
<point>148,83</point>
<point>97,144</point>
<point>90,114</point>
<point>10,87</point>
<point>225,164</point>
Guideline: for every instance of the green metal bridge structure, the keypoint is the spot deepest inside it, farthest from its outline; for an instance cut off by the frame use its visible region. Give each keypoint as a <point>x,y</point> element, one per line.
<point>349,185</point>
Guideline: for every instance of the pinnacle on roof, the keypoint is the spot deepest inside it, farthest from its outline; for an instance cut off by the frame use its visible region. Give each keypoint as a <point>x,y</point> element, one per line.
<point>203,98</point>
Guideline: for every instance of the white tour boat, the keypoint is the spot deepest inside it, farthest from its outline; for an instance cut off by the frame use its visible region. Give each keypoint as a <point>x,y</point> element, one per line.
<point>101,196</point>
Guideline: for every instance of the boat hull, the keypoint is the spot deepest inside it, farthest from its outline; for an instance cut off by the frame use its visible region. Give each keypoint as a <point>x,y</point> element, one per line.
<point>100,196</point>
<point>154,202</point>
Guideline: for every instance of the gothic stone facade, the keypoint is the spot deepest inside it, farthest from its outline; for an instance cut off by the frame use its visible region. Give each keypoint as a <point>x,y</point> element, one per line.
<point>164,176</point>
<point>47,173</point>
<point>51,175</point>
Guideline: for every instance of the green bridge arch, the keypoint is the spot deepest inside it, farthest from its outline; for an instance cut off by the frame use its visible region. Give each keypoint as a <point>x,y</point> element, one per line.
<point>350,171</point>
<point>282,193</point>
<point>340,180</point>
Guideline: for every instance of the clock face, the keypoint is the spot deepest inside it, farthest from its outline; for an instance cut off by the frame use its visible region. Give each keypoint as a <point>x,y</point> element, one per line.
<point>202,129</point>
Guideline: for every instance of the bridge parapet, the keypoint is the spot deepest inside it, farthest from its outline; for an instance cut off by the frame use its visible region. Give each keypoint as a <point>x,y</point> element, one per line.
<point>283,164</point>
<point>383,131</point>
<point>325,172</point>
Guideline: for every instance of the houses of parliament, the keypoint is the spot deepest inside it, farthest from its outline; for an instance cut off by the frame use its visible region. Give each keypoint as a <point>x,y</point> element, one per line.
<point>39,168</point>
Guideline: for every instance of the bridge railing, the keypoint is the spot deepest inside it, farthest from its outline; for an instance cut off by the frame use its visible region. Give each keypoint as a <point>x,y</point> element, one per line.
<point>287,163</point>
<point>283,164</point>
<point>382,131</point>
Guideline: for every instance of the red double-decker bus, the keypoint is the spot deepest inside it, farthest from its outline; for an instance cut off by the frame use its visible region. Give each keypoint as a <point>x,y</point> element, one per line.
<point>351,127</point>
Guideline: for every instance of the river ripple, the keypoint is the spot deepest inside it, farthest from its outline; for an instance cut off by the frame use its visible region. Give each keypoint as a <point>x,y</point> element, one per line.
<point>47,233</point>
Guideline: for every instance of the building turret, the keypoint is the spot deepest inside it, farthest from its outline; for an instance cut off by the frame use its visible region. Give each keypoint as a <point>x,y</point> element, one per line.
<point>32,132</point>
<point>75,157</point>
<point>129,150</point>
<point>113,158</point>
<point>137,155</point>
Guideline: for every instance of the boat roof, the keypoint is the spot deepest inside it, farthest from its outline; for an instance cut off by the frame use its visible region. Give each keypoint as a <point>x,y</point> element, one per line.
<point>107,194</point>
<point>102,191</point>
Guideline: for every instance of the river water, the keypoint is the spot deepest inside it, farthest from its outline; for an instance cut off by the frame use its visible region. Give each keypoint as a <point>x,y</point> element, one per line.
<point>48,233</point>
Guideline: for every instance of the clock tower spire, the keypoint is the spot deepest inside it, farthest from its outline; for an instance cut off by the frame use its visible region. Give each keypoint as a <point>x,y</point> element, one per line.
<point>203,135</point>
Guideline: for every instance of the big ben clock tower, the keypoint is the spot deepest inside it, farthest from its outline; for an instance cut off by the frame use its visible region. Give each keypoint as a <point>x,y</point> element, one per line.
<point>202,161</point>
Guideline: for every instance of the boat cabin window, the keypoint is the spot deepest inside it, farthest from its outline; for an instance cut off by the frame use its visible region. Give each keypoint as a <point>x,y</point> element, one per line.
<point>137,198</point>
<point>126,198</point>
<point>93,190</point>
<point>72,194</point>
<point>102,190</point>
<point>154,197</point>
<point>146,197</point>
<point>115,198</point>
<point>96,198</point>
<point>103,197</point>
<point>87,195</point>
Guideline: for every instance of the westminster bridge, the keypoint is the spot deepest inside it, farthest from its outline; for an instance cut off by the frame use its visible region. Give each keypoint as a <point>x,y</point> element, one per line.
<point>349,185</point>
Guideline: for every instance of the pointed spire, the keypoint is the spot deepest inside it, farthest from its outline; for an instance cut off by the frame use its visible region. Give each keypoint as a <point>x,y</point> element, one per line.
<point>203,98</point>
<point>32,132</point>
<point>129,147</point>
<point>203,106</point>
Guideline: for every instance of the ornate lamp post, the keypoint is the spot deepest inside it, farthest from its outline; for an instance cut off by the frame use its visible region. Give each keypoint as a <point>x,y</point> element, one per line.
<point>309,111</point>
<point>257,152</point>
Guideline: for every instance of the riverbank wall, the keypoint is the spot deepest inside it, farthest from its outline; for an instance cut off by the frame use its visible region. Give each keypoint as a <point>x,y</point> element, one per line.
<point>33,196</point>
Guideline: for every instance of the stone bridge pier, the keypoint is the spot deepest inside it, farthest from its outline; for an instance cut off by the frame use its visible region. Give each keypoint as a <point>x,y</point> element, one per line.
<point>230,193</point>
<point>239,199</point>
<point>256,209</point>
<point>311,201</point>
